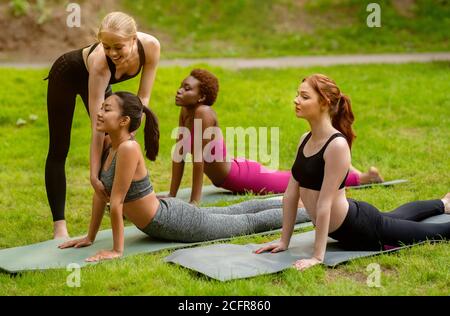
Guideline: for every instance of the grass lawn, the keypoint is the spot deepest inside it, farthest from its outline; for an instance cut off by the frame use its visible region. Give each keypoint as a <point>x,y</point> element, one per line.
<point>402,123</point>
<point>195,28</point>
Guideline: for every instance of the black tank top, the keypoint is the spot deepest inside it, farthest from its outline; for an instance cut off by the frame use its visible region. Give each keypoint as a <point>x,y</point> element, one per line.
<point>309,171</point>
<point>112,66</point>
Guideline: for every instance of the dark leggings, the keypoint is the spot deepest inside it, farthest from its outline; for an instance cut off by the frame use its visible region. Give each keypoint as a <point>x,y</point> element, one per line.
<point>366,228</point>
<point>67,78</point>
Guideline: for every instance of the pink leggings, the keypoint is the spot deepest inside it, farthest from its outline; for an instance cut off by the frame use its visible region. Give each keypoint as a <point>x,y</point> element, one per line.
<point>251,176</point>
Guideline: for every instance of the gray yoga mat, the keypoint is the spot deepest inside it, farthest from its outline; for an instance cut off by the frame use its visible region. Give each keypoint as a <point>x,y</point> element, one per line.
<point>212,194</point>
<point>228,261</point>
<point>46,255</point>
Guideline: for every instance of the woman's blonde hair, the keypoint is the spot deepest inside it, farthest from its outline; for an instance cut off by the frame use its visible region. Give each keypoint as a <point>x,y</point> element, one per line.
<point>119,23</point>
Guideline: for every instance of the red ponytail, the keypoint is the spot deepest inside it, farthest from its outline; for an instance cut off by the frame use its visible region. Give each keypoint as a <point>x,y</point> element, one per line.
<point>344,118</point>
<point>340,107</point>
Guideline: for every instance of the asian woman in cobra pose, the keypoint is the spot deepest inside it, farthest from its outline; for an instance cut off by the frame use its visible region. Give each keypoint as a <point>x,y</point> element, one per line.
<point>318,177</point>
<point>196,96</point>
<point>121,53</point>
<point>127,182</point>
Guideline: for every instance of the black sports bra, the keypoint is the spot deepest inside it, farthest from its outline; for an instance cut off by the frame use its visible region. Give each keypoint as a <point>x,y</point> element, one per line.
<point>112,66</point>
<point>309,171</point>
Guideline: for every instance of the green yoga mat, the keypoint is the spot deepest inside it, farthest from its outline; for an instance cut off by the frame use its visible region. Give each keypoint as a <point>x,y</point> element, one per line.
<point>212,194</point>
<point>225,262</point>
<point>46,255</point>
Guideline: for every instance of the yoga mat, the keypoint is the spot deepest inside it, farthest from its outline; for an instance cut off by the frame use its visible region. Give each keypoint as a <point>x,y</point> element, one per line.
<point>225,262</point>
<point>46,255</point>
<point>213,194</point>
<point>382,184</point>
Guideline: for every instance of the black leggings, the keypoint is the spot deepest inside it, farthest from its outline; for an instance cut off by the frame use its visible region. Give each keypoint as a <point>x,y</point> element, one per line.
<point>67,78</point>
<point>366,228</point>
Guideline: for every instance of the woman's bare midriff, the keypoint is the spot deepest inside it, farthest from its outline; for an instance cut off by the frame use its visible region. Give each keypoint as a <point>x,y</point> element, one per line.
<point>142,211</point>
<point>339,207</point>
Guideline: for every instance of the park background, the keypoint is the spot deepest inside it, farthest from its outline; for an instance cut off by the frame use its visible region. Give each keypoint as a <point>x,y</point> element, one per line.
<point>402,123</point>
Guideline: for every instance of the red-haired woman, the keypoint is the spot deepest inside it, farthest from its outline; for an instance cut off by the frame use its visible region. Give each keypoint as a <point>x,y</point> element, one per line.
<point>320,170</point>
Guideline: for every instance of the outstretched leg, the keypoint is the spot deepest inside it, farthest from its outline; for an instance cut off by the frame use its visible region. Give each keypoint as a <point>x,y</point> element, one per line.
<point>394,231</point>
<point>402,225</point>
<point>181,221</point>
<point>417,211</point>
<point>246,207</point>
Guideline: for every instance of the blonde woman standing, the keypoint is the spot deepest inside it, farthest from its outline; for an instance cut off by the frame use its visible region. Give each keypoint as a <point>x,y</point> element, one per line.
<point>121,53</point>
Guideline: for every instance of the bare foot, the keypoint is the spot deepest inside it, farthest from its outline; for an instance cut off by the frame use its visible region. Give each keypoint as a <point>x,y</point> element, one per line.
<point>371,176</point>
<point>446,201</point>
<point>60,230</point>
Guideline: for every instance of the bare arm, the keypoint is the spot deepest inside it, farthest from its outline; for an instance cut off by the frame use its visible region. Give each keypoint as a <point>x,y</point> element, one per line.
<point>98,207</point>
<point>291,198</point>
<point>197,182</point>
<point>98,210</point>
<point>177,166</point>
<point>98,81</point>
<point>290,205</point>
<point>126,163</point>
<point>177,175</point>
<point>152,53</point>
<point>128,155</point>
<point>208,120</point>
<point>337,162</point>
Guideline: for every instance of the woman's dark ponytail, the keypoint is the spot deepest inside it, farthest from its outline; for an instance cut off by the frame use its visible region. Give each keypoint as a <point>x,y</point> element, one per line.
<point>132,107</point>
<point>151,134</point>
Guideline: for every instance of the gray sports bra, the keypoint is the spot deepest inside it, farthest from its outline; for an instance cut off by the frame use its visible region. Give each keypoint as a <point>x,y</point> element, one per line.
<point>137,190</point>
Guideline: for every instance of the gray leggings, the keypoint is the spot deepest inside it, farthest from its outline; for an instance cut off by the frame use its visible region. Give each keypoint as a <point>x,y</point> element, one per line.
<point>177,220</point>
